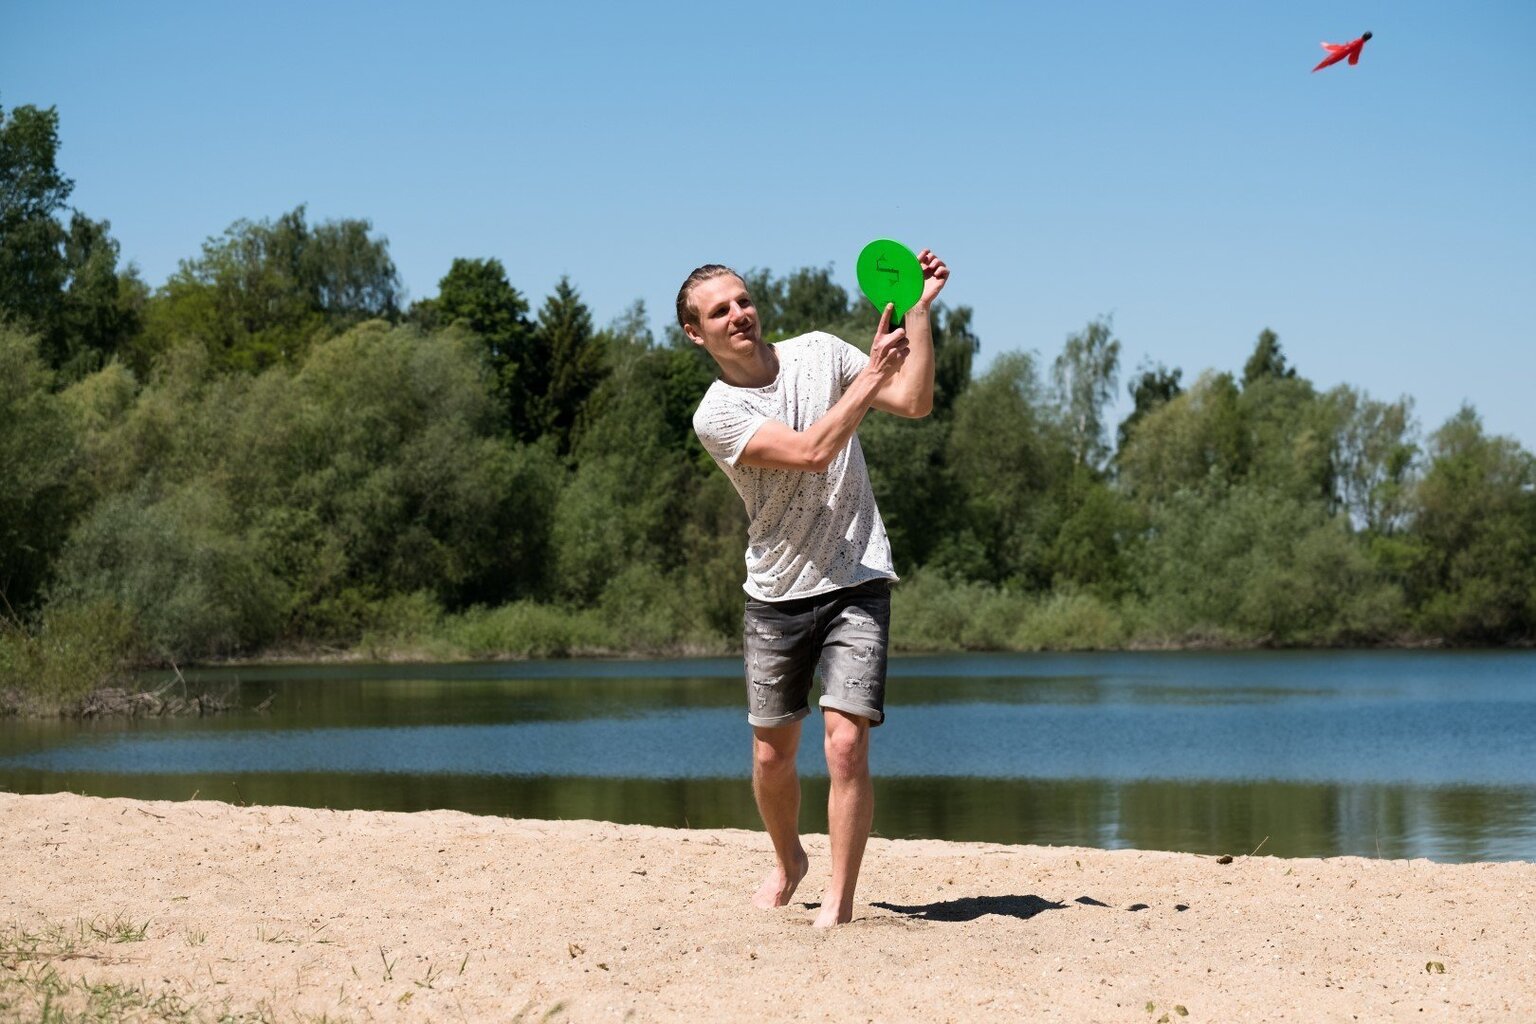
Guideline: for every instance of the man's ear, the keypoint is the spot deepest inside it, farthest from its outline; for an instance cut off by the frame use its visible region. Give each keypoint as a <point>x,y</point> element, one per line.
<point>693,335</point>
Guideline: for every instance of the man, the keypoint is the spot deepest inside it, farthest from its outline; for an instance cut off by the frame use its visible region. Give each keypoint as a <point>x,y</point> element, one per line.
<point>780,422</point>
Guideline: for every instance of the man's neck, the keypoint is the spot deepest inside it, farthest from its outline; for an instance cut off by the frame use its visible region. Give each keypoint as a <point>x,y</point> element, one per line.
<point>757,370</point>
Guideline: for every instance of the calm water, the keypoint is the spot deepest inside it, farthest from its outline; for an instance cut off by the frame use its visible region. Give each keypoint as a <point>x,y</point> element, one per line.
<point>1397,754</point>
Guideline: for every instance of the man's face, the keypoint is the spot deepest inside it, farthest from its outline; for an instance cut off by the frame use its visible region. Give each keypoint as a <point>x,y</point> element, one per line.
<point>727,318</point>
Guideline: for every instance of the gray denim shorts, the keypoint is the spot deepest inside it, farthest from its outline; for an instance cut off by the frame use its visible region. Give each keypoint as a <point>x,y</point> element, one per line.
<point>842,635</point>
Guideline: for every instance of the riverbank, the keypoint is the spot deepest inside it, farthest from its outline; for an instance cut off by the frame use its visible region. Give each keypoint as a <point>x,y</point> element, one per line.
<point>56,666</point>
<point>124,695</point>
<point>186,911</point>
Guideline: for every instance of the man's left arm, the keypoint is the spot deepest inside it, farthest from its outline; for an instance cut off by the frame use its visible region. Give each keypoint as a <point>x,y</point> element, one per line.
<point>909,391</point>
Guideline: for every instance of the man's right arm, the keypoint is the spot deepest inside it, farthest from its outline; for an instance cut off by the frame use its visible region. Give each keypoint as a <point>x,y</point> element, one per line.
<point>777,445</point>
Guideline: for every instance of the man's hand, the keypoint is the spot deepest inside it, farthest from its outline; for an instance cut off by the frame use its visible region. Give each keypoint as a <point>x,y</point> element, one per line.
<point>889,349</point>
<point>935,274</point>
<point>907,390</point>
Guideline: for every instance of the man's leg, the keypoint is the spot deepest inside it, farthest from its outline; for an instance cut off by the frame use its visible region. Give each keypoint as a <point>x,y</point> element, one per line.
<point>850,811</point>
<point>776,785</point>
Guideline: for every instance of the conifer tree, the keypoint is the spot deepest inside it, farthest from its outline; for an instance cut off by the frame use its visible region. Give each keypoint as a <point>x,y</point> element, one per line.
<point>572,363</point>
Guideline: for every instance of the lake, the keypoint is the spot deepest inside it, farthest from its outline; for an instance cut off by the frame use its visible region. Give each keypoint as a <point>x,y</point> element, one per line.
<point>1381,753</point>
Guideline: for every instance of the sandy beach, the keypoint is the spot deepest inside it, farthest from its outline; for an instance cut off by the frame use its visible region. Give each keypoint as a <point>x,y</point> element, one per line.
<point>274,913</point>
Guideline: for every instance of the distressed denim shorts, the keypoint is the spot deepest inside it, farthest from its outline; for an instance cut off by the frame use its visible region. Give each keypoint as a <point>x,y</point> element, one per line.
<point>841,635</point>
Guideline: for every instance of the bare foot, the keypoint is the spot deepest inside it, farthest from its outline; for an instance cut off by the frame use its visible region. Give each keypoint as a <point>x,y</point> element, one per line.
<point>831,916</point>
<point>780,884</point>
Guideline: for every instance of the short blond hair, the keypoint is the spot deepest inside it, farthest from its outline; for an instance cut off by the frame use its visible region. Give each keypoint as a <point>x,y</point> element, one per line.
<point>686,314</point>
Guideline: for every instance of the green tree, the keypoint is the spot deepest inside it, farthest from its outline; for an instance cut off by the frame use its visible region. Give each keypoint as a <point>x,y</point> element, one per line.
<point>476,295</point>
<point>60,282</point>
<point>265,291</point>
<point>810,301</point>
<point>1190,442</point>
<point>1085,376</point>
<point>1153,386</point>
<point>1267,361</point>
<point>1242,564</point>
<point>1376,451</point>
<point>32,193</point>
<point>378,468</point>
<point>917,492</point>
<point>1291,438</point>
<point>1276,433</point>
<point>101,307</point>
<point>1090,545</point>
<point>572,364</point>
<point>631,328</point>
<point>954,351</point>
<point>39,450</point>
<point>1474,528</point>
<point>347,274</point>
<point>1008,454</point>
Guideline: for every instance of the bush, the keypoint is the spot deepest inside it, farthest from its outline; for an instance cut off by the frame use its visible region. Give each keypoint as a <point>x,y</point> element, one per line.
<point>1070,622</point>
<point>399,621</point>
<point>665,613</point>
<point>75,648</point>
<point>526,629</point>
<point>930,612</point>
<point>933,613</point>
<point>191,585</point>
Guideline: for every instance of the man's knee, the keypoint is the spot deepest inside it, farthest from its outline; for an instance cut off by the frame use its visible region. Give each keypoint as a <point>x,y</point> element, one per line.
<point>774,751</point>
<point>847,746</point>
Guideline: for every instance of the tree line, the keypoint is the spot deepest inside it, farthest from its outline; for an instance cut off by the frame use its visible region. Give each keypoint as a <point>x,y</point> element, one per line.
<point>272,449</point>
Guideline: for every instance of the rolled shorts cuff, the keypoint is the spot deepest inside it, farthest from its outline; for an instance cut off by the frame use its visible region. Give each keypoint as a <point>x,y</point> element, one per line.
<point>773,723</point>
<point>875,715</point>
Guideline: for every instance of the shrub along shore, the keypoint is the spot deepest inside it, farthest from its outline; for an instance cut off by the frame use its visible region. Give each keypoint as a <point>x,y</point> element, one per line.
<point>83,665</point>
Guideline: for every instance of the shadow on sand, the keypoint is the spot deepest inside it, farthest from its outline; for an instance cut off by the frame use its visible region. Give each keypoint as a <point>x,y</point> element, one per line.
<point>969,908</point>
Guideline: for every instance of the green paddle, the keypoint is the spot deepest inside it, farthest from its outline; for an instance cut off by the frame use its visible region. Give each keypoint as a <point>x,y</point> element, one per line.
<point>889,272</point>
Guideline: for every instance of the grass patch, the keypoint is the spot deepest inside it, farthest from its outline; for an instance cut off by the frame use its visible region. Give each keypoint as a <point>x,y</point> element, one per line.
<point>32,988</point>
<point>119,929</point>
<point>19,946</point>
<point>48,997</point>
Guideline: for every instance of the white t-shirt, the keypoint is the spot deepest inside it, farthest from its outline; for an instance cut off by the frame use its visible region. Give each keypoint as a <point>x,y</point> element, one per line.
<point>810,533</point>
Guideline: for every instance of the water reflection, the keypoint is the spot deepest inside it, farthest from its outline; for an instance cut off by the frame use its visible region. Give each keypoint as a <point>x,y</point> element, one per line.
<point>1276,819</point>
<point>1393,754</point>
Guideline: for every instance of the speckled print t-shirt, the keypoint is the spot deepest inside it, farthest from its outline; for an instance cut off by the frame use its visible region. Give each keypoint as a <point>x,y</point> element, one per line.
<point>810,533</point>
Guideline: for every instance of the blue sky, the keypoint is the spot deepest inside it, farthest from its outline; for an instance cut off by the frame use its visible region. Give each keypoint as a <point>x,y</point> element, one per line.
<point>1173,165</point>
